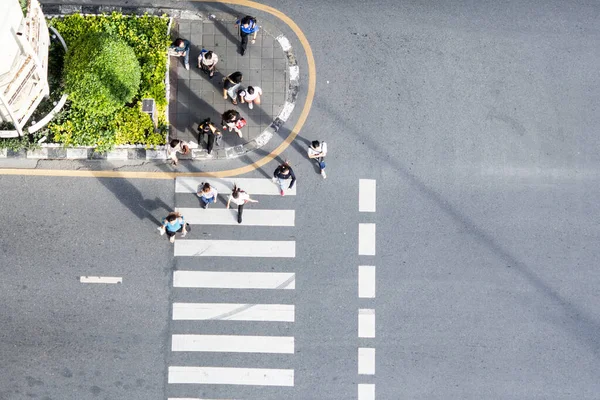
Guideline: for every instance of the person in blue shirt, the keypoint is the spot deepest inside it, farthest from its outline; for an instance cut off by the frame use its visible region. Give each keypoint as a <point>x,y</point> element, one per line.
<point>172,224</point>
<point>248,26</point>
<point>181,48</point>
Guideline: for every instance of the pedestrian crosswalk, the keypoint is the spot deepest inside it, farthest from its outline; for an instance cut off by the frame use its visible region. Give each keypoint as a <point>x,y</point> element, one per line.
<point>223,308</point>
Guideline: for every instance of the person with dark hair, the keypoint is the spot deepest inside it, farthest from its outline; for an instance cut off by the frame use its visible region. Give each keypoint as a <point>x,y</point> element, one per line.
<point>212,134</point>
<point>251,96</point>
<point>177,146</point>
<point>172,224</point>
<point>231,84</point>
<point>207,194</point>
<point>207,62</point>
<point>231,119</point>
<point>317,151</point>
<point>239,197</point>
<point>181,48</point>
<point>247,26</point>
<point>282,173</point>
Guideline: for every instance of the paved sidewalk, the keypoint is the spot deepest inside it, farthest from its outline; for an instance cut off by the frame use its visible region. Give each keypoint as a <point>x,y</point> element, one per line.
<point>194,96</point>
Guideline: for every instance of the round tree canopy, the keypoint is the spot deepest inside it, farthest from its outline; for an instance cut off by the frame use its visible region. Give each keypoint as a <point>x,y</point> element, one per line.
<point>102,73</point>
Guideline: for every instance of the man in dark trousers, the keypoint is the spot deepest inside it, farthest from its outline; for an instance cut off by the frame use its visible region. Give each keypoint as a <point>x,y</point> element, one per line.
<point>208,129</point>
<point>248,26</point>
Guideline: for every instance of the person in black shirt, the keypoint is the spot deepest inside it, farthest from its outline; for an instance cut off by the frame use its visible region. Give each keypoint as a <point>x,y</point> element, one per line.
<point>212,134</point>
<point>282,174</point>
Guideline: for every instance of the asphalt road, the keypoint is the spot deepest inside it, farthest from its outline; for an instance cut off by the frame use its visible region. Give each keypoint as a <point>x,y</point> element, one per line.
<point>479,123</point>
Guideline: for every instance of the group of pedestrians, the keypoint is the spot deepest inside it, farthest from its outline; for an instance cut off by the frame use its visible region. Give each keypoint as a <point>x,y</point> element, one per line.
<point>231,120</point>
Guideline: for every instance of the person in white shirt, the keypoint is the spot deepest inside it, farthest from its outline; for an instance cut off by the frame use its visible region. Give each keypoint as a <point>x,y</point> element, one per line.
<point>251,96</point>
<point>239,197</point>
<point>207,194</point>
<point>177,146</point>
<point>207,61</point>
<point>317,151</point>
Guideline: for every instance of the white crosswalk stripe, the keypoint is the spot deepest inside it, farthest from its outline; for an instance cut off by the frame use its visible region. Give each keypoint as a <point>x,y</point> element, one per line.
<point>222,216</point>
<point>234,280</point>
<point>233,312</point>
<point>235,248</point>
<point>232,376</point>
<point>198,279</point>
<point>254,186</point>
<point>233,343</point>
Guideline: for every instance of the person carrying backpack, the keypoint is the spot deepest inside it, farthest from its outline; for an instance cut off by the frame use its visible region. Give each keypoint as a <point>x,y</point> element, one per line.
<point>317,151</point>
<point>239,197</point>
<point>212,134</point>
<point>207,62</point>
<point>247,26</point>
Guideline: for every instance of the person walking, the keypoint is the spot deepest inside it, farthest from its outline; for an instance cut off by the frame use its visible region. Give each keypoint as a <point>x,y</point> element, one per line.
<point>231,84</point>
<point>251,95</point>
<point>177,146</point>
<point>231,119</point>
<point>247,27</point>
<point>317,151</point>
<point>282,173</point>
<point>239,197</point>
<point>207,62</point>
<point>208,129</point>
<point>181,48</point>
<point>207,194</point>
<point>172,224</point>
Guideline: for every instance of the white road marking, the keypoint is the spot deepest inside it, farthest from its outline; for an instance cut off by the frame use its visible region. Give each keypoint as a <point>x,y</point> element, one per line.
<point>366,323</point>
<point>100,279</point>
<point>366,281</point>
<point>222,216</point>
<point>366,239</point>
<point>254,186</point>
<point>233,344</point>
<point>366,391</point>
<point>192,398</point>
<point>234,248</point>
<point>366,361</point>
<point>367,195</point>
<point>234,280</point>
<point>233,312</point>
<point>231,376</point>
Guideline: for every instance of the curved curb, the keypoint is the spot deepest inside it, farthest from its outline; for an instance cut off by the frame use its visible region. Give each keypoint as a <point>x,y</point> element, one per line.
<point>142,152</point>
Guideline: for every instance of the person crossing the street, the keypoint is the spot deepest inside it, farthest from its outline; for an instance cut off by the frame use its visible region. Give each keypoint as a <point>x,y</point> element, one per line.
<point>207,194</point>
<point>172,224</point>
<point>317,151</point>
<point>239,197</point>
<point>281,174</point>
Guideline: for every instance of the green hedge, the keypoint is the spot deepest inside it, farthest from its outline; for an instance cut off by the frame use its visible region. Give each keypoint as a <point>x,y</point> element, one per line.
<point>102,73</point>
<point>147,36</point>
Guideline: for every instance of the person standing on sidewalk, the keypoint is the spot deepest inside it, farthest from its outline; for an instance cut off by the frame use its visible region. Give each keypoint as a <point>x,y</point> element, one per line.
<point>181,48</point>
<point>177,146</point>
<point>231,119</point>
<point>207,194</point>
<point>282,174</point>
<point>317,151</point>
<point>248,26</point>
<point>207,62</point>
<point>172,224</point>
<point>251,95</point>
<point>231,84</point>
<point>208,129</point>
<point>239,197</point>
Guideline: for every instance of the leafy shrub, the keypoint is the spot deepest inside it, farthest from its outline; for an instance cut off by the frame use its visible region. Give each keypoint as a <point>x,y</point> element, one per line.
<point>101,73</point>
<point>147,36</point>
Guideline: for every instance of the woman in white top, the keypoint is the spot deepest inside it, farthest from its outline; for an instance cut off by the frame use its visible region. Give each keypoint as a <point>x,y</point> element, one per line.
<point>177,146</point>
<point>207,194</point>
<point>207,61</point>
<point>251,96</point>
<point>239,197</point>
